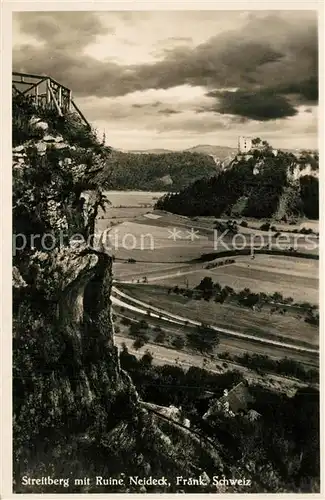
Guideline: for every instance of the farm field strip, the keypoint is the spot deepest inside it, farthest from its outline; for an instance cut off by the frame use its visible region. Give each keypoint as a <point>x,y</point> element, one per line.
<point>227,331</point>
<point>245,321</point>
<point>167,276</point>
<point>284,258</point>
<point>186,223</point>
<point>152,236</point>
<point>134,270</point>
<point>286,262</point>
<point>232,345</point>
<point>119,212</point>
<point>164,355</point>
<point>289,288</point>
<point>132,197</point>
<point>181,271</point>
<point>172,254</point>
<point>207,224</point>
<point>271,276</point>
<point>277,270</point>
<point>262,263</point>
<point>161,234</point>
<point>281,226</point>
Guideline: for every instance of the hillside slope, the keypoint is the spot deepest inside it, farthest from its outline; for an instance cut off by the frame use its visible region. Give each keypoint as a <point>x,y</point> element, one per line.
<point>153,172</point>
<point>261,184</point>
<point>208,149</point>
<point>220,152</point>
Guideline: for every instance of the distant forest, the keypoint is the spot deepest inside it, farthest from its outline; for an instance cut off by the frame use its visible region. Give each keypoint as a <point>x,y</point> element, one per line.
<point>241,191</point>
<point>156,172</point>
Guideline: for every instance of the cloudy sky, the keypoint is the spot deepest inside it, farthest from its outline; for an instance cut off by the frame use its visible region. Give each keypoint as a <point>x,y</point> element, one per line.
<point>181,78</point>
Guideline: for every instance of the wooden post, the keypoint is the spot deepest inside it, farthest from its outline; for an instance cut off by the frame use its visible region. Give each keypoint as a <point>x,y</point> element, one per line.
<point>55,102</point>
<point>80,114</point>
<point>36,95</point>
<point>17,90</point>
<point>48,94</point>
<point>66,101</point>
<point>60,97</point>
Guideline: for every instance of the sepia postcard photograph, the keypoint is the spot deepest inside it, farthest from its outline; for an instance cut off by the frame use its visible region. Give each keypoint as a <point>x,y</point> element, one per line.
<point>165,251</point>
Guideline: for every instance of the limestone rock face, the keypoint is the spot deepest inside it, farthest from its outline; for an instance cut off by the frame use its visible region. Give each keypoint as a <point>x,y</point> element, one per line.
<point>38,123</point>
<point>17,281</point>
<point>42,125</point>
<point>75,411</point>
<point>51,273</point>
<point>62,317</point>
<point>51,138</point>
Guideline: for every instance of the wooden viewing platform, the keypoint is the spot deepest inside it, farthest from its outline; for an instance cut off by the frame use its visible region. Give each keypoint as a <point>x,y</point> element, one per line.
<point>45,92</point>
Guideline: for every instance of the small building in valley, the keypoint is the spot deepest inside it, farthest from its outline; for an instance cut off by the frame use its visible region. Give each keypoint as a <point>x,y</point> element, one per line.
<point>232,402</point>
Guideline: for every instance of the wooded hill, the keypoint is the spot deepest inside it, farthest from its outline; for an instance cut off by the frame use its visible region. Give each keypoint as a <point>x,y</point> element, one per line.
<point>155,172</point>
<point>255,185</point>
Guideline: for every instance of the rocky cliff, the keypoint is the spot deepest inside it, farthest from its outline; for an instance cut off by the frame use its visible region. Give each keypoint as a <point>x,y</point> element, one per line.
<point>76,413</point>
<point>263,183</point>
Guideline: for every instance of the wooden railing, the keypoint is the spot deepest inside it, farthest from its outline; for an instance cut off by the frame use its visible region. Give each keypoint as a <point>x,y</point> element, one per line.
<point>45,92</point>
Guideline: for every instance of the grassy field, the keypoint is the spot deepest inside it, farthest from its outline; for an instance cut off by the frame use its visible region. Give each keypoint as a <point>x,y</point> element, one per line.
<point>132,198</point>
<point>144,234</point>
<point>296,278</point>
<point>125,205</point>
<point>128,271</point>
<point>280,226</point>
<point>151,243</point>
<point>227,315</point>
<point>209,222</point>
<point>165,255</point>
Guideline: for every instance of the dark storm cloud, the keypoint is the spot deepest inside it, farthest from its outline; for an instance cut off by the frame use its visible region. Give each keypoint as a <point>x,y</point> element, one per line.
<point>64,36</point>
<point>271,58</point>
<point>83,74</point>
<point>268,52</point>
<point>306,89</point>
<point>257,105</point>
